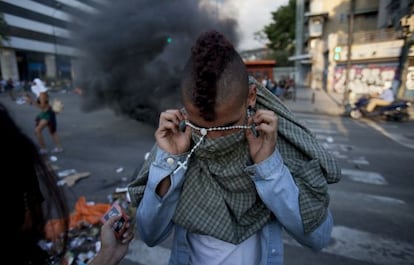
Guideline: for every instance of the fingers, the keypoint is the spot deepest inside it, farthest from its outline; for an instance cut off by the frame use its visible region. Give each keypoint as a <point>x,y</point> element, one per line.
<point>170,119</point>
<point>127,235</point>
<point>266,122</point>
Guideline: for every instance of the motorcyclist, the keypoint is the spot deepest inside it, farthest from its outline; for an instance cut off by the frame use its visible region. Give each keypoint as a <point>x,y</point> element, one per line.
<point>385,98</point>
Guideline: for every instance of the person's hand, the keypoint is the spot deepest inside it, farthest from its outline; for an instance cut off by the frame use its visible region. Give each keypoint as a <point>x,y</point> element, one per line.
<point>264,145</point>
<point>168,136</point>
<point>113,249</point>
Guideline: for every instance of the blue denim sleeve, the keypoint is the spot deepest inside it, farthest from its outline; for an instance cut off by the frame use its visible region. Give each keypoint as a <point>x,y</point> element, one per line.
<point>277,189</point>
<point>154,213</point>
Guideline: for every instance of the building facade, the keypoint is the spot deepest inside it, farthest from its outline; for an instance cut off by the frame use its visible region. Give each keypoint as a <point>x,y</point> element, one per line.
<point>39,42</point>
<point>372,32</point>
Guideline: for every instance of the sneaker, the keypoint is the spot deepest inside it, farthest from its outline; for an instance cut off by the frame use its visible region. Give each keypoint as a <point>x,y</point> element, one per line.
<point>57,150</point>
<point>43,151</point>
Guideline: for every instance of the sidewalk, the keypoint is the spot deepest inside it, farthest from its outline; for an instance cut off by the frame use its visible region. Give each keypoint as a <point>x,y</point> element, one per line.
<point>315,101</point>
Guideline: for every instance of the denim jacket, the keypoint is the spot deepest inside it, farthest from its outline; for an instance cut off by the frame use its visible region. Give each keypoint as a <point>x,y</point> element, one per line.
<point>275,186</point>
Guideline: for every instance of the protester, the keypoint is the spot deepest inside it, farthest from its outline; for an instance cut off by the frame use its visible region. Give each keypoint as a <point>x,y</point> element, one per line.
<point>9,88</point>
<point>46,117</point>
<point>232,169</point>
<point>35,198</point>
<point>385,98</point>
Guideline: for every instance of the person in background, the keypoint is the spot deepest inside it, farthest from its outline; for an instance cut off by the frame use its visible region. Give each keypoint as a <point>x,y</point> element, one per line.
<point>36,198</point>
<point>385,98</point>
<point>46,117</point>
<point>9,88</point>
<point>228,172</point>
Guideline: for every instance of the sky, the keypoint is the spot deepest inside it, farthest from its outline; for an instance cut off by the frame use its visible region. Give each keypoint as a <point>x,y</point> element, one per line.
<point>252,16</point>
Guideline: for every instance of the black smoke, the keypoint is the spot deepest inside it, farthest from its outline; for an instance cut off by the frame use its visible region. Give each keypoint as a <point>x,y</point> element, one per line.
<point>133,52</point>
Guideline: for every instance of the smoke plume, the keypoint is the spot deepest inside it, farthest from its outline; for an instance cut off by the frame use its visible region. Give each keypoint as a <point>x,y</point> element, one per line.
<point>133,53</point>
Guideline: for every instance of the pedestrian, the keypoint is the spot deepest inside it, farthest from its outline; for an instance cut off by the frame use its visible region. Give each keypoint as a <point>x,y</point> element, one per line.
<point>232,169</point>
<point>46,117</point>
<point>36,198</point>
<point>9,88</point>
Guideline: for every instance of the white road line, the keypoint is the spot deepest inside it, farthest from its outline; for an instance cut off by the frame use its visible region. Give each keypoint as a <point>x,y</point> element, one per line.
<point>376,202</point>
<point>359,161</point>
<point>370,247</point>
<point>316,121</point>
<point>322,131</point>
<point>398,138</point>
<point>365,246</point>
<point>369,177</point>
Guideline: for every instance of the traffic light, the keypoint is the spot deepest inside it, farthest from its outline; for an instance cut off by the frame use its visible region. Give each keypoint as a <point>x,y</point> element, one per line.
<point>169,40</point>
<point>337,53</point>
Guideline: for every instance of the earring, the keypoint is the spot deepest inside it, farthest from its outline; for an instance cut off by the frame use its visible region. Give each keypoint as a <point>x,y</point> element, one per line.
<point>250,111</point>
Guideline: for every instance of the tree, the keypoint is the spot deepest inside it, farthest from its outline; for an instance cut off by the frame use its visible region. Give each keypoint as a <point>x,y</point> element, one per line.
<point>281,33</point>
<point>4,29</point>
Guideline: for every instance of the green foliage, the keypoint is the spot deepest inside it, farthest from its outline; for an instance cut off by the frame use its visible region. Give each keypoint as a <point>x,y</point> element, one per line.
<point>281,32</point>
<point>281,57</point>
<point>4,29</point>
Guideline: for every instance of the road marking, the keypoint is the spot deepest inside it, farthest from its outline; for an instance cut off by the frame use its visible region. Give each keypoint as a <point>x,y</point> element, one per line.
<point>369,177</point>
<point>365,246</point>
<point>317,121</point>
<point>398,138</point>
<point>359,161</point>
<point>379,202</point>
<point>322,131</point>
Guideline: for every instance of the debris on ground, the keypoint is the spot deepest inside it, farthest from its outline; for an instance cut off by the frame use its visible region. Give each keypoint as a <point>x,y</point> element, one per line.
<point>84,230</point>
<point>71,179</point>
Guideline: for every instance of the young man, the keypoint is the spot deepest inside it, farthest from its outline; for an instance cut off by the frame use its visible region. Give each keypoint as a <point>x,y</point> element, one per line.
<point>229,172</point>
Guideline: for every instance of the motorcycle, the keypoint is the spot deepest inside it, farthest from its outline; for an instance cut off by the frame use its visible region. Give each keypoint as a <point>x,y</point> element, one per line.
<point>396,111</point>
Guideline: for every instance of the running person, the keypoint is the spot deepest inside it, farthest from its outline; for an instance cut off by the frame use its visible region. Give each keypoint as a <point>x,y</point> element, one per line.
<point>46,117</point>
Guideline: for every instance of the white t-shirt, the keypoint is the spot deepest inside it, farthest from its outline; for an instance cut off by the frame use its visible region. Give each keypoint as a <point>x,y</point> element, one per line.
<point>213,251</point>
<point>38,87</point>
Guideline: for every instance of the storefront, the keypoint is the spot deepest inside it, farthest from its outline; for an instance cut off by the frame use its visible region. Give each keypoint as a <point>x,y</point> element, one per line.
<point>261,69</point>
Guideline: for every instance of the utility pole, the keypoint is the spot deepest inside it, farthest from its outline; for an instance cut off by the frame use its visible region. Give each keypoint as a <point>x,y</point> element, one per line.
<point>407,23</point>
<point>349,47</point>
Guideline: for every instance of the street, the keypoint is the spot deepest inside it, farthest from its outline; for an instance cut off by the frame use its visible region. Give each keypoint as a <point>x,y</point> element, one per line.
<point>373,204</point>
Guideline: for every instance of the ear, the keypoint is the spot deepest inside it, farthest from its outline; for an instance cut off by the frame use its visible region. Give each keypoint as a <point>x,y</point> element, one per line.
<point>251,97</point>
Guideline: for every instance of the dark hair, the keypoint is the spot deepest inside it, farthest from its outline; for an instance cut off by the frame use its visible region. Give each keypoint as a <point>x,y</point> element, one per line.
<point>36,197</point>
<point>214,71</point>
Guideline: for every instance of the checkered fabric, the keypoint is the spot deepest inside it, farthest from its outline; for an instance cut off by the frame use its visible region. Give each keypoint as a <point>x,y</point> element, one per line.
<point>310,164</point>
<point>219,198</point>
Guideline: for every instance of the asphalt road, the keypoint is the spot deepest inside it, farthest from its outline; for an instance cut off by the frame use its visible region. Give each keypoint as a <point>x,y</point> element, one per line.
<point>109,146</point>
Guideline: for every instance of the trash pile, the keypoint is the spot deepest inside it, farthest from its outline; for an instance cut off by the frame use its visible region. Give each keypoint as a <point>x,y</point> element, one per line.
<point>84,222</point>
<point>84,231</point>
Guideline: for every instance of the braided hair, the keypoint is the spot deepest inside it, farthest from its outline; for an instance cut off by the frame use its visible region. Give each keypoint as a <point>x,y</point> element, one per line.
<point>214,71</point>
